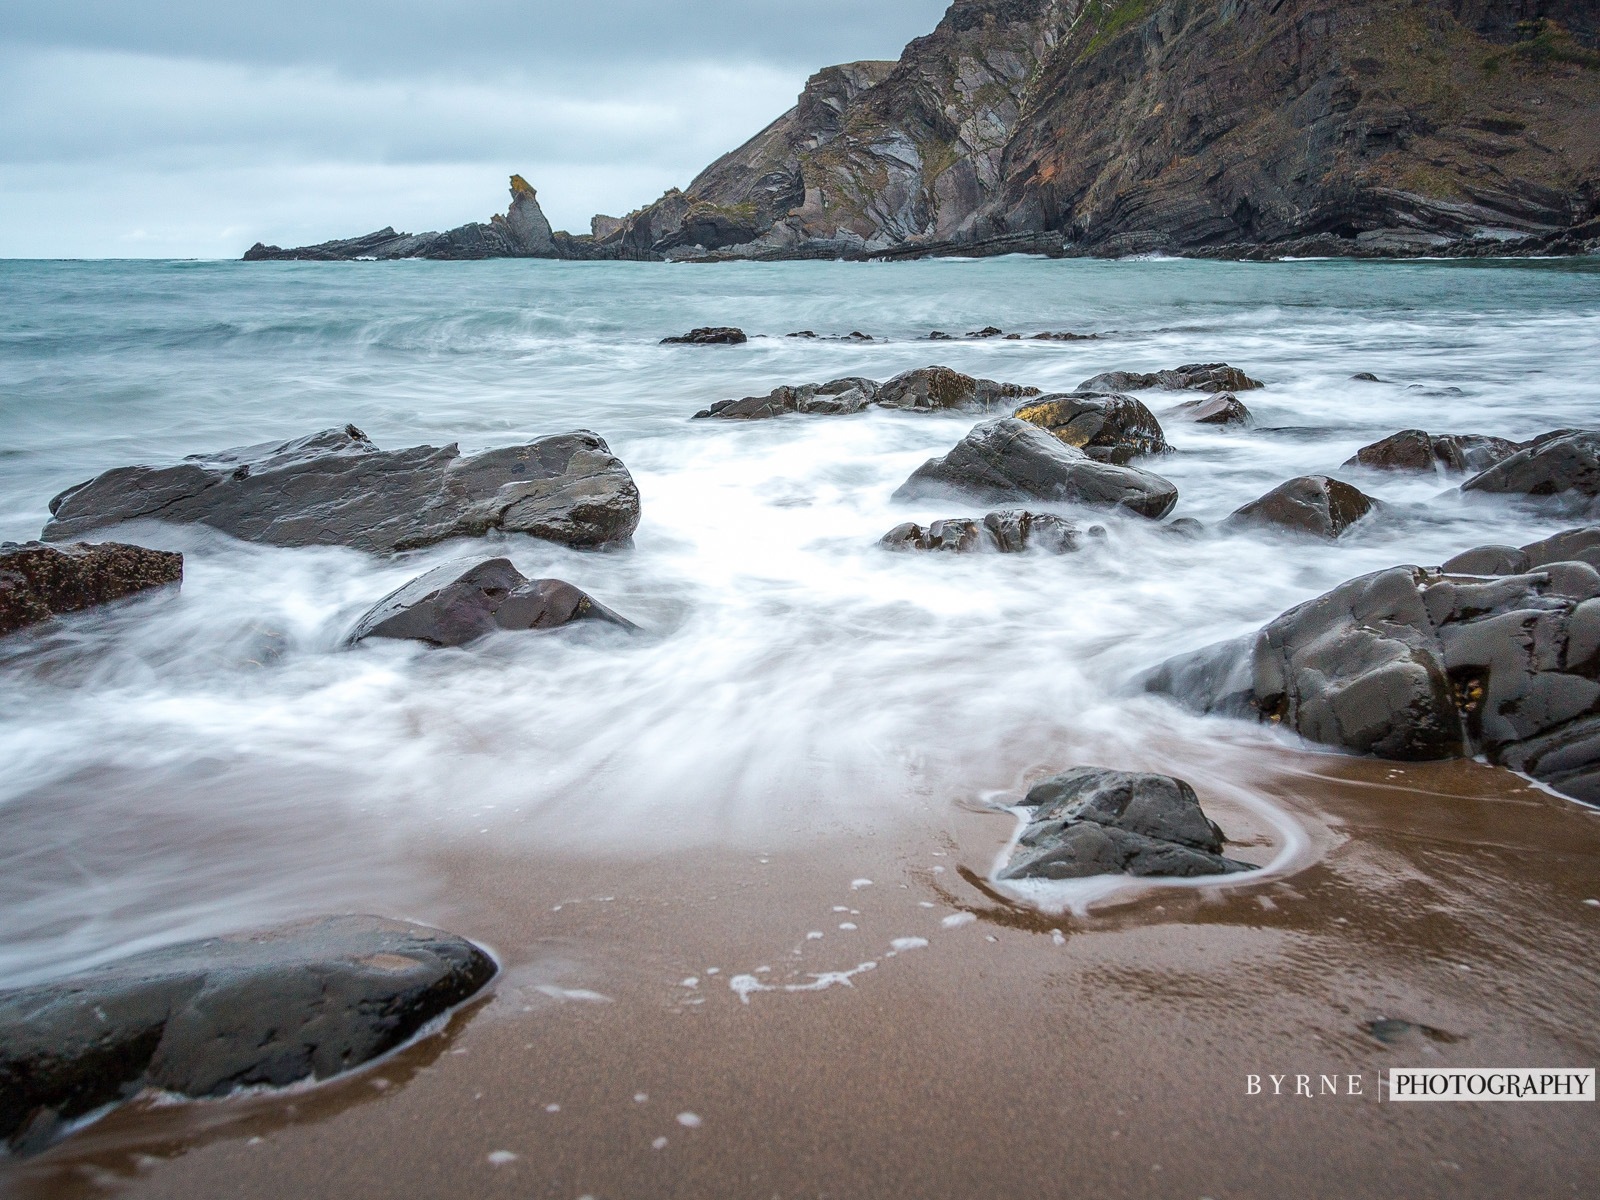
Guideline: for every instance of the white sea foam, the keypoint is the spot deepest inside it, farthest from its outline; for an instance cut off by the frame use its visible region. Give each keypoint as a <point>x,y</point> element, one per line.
<point>194,762</point>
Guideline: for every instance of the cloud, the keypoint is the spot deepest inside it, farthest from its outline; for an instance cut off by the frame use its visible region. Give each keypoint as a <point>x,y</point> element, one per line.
<point>195,129</point>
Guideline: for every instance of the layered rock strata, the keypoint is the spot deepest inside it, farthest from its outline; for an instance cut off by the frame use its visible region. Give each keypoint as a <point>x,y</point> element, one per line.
<point>336,488</point>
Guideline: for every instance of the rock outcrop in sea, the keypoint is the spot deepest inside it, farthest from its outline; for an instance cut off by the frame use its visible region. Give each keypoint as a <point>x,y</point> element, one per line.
<point>38,582</point>
<point>335,488</point>
<point>1495,653</point>
<point>1376,128</point>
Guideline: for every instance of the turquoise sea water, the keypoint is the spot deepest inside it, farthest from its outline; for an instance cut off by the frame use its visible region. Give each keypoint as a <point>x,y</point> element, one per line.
<point>202,760</point>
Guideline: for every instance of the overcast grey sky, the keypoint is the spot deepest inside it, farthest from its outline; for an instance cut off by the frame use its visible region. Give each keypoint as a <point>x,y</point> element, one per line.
<point>188,128</point>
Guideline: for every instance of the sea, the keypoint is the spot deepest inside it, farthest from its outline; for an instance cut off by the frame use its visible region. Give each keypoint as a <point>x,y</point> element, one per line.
<point>215,757</point>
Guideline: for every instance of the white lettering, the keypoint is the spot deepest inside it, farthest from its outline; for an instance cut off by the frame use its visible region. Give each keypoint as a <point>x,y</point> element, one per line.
<point>1252,1085</point>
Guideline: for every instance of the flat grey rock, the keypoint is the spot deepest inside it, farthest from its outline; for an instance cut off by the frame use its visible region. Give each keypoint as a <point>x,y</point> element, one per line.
<point>1417,450</point>
<point>459,602</point>
<point>1203,377</point>
<point>1094,821</point>
<point>335,488</point>
<point>1011,460</point>
<point>940,389</point>
<point>838,396</point>
<point>38,581</point>
<point>1009,531</point>
<point>204,1018</point>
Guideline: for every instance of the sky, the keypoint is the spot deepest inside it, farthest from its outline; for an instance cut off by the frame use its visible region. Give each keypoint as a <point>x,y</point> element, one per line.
<point>192,129</point>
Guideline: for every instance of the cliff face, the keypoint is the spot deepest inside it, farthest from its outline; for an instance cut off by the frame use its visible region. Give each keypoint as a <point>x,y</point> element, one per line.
<point>1210,126</point>
<point>1246,128</point>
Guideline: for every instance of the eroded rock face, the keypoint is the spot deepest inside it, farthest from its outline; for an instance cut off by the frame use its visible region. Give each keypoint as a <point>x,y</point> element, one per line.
<point>1009,531</point>
<point>38,581</point>
<point>1225,409</point>
<point>710,335</point>
<point>204,1018</point>
<point>460,602</point>
<point>1010,459</point>
<point>848,395</point>
<point>1562,467</point>
<point>931,389</point>
<point>1202,377</point>
<point>1311,504</point>
<point>1108,428</point>
<point>1092,821</point>
<point>335,488</point>
<point>1415,450</point>
<point>1415,664</point>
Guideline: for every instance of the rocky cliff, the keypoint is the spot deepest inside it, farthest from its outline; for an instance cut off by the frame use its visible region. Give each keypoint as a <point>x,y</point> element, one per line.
<point>1239,128</point>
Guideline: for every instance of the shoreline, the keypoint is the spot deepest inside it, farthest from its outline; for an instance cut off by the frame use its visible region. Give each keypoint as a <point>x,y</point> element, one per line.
<point>960,1066</point>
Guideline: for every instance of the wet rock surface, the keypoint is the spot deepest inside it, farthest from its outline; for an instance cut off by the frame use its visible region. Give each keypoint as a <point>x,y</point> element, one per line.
<point>710,335</point>
<point>848,395</point>
<point>932,389</point>
<point>1225,409</point>
<point>336,488</point>
<point>38,582</point>
<point>1418,664</point>
<point>1107,427</point>
<point>1093,821</point>
<point>1008,460</point>
<point>459,602</point>
<point>1203,377</point>
<point>305,1001</point>
<point>1561,468</point>
<point>1008,531</point>
<point>1312,504</point>
<point>1415,450</point>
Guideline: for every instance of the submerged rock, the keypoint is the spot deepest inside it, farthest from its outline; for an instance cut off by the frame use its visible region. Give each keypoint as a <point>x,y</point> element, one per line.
<point>1417,664</point>
<point>1203,377</point>
<point>460,602</point>
<point>1562,467</point>
<point>38,581</point>
<point>1010,459</point>
<point>710,335</point>
<point>1009,531</point>
<point>848,395</point>
<point>931,389</point>
<point>1313,504</point>
<point>1224,409</point>
<point>204,1018</point>
<point>1092,821</point>
<point>335,488</point>
<point>1415,450</point>
<point>1106,427</point>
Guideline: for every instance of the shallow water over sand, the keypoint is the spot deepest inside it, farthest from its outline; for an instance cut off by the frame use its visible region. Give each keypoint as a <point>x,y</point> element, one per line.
<point>211,759</point>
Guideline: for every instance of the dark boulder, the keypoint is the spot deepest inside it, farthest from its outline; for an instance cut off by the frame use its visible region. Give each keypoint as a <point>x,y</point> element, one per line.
<point>1225,409</point>
<point>335,488</point>
<point>1415,450</point>
<point>1418,664</point>
<point>1563,469</point>
<point>1202,377</point>
<point>1311,504</point>
<point>38,581</point>
<point>1008,459</point>
<point>848,395</point>
<point>1092,821</point>
<point>460,602</point>
<point>1572,545</point>
<point>932,389</point>
<point>710,335</point>
<point>1009,531</point>
<point>204,1018</point>
<point>1108,428</point>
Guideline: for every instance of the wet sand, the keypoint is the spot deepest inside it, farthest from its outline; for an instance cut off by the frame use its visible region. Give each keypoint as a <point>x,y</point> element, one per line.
<point>1015,1054</point>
